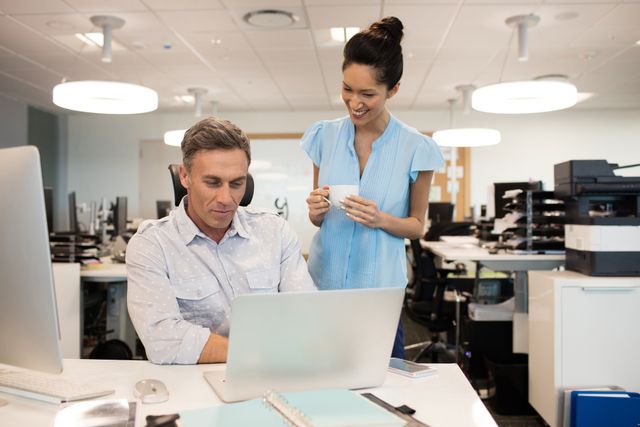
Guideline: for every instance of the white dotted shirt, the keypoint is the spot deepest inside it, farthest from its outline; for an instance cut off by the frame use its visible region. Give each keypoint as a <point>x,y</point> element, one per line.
<point>181,283</point>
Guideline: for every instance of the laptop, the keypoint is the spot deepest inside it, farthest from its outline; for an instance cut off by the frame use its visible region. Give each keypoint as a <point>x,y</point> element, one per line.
<point>308,340</point>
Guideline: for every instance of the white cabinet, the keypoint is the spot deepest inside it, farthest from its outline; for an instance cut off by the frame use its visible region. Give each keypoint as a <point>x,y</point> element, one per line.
<point>66,278</point>
<point>583,331</point>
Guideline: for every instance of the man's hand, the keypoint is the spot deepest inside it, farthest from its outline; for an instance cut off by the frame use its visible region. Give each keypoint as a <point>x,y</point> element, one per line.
<point>215,350</point>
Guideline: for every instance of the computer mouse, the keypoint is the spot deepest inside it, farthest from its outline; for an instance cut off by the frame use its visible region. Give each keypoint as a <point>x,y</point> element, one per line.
<point>151,391</point>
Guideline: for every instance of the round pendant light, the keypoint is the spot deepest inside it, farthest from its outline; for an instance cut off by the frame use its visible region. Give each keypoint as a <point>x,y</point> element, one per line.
<point>527,96</point>
<point>523,97</point>
<point>105,97</point>
<point>467,137</point>
<point>174,137</point>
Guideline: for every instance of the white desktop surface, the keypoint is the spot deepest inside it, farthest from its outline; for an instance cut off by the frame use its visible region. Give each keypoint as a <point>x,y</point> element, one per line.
<point>107,271</point>
<point>472,252</point>
<point>444,400</point>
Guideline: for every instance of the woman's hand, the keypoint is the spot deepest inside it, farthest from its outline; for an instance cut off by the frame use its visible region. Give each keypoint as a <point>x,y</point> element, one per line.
<point>318,204</point>
<point>364,211</point>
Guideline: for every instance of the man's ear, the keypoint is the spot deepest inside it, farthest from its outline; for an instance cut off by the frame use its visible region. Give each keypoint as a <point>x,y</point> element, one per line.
<point>184,177</point>
<point>393,90</point>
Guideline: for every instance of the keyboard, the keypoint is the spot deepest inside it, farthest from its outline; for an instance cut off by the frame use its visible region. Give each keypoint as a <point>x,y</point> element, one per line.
<point>47,388</point>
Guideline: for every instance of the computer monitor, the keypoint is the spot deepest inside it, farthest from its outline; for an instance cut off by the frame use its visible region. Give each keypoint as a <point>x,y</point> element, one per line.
<point>73,213</point>
<point>48,204</point>
<point>120,216</point>
<point>499,189</point>
<point>440,212</point>
<point>29,330</point>
<point>163,207</point>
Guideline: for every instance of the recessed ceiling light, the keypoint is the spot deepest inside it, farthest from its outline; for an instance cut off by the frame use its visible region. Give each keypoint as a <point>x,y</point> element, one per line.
<point>60,25</point>
<point>566,16</point>
<point>638,43</point>
<point>216,41</point>
<point>270,18</point>
<point>342,34</point>
<point>92,39</point>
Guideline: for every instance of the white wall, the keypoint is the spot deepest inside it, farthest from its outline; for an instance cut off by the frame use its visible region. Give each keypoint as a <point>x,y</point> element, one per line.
<point>13,123</point>
<point>103,150</point>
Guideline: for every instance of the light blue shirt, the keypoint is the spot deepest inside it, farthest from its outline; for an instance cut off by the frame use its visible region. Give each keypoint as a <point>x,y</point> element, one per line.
<point>343,253</point>
<point>180,283</point>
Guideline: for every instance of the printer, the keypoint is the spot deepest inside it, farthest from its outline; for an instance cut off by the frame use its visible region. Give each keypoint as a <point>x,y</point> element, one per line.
<point>602,230</point>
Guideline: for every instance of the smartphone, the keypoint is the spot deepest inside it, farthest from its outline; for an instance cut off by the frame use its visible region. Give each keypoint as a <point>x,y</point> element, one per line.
<point>410,369</point>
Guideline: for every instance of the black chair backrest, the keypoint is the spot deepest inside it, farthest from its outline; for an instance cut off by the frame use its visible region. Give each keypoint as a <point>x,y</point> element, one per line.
<point>437,230</point>
<point>179,191</point>
<point>440,212</point>
<point>425,273</point>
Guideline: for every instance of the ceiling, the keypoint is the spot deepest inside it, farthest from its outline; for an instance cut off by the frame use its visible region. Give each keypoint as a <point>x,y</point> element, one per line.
<point>173,45</point>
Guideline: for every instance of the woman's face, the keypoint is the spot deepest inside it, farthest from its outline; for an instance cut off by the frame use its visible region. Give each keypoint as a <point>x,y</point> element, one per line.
<point>363,95</point>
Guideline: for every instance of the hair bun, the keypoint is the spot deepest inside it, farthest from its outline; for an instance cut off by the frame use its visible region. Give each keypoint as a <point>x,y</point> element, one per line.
<point>389,26</point>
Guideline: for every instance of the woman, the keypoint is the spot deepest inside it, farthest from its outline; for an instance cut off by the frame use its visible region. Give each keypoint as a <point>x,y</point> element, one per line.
<point>360,244</point>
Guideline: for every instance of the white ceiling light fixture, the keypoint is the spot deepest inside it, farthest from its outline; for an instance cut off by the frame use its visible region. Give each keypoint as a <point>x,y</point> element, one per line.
<point>343,34</point>
<point>465,137</point>
<point>270,18</point>
<point>91,39</point>
<point>105,97</point>
<point>175,137</point>
<point>527,96</point>
<point>108,24</point>
<point>522,23</point>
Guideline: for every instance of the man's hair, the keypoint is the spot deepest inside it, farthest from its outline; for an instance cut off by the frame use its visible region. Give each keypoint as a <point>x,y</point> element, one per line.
<point>213,133</point>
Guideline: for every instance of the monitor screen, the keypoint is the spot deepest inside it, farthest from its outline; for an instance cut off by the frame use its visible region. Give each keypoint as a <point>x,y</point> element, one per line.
<point>29,330</point>
<point>48,204</point>
<point>440,212</point>
<point>163,207</point>
<point>120,216</point>
<point>73,213</point>
<point>499,189</point>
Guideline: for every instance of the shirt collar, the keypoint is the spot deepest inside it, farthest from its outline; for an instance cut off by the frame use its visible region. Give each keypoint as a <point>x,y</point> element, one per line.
<point>380,140</point>
<point>188,230</point>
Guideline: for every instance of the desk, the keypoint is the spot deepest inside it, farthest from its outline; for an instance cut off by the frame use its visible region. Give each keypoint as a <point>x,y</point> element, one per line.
<point>583,333</point>
<point>444,400</point>
<point>519,264</point>
<point>69,280</point>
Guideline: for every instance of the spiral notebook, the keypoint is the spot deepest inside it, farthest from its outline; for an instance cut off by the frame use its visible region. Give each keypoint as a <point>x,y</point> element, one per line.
<point>315,408</point>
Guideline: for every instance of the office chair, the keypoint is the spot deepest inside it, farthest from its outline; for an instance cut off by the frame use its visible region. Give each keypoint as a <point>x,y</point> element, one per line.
<point>425,304</point>
<point>179,191</point>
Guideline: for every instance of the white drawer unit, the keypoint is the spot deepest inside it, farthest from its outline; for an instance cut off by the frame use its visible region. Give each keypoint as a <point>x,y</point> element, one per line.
<point>583,331</point>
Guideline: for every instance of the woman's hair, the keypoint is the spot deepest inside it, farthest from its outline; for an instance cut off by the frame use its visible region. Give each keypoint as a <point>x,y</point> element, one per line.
<point>378,47</point>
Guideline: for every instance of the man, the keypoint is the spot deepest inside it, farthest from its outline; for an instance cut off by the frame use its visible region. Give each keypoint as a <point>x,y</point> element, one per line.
<point>185,269</point>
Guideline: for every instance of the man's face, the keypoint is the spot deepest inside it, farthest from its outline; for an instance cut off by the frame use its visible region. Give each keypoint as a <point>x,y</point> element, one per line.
<point>216,185</point>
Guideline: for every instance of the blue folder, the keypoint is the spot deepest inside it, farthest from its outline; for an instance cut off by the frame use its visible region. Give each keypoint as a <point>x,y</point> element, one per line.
<point>605,409</point>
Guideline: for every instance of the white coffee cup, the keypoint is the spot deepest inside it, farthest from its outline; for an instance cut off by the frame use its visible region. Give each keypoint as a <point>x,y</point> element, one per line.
<point>337,193</point>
